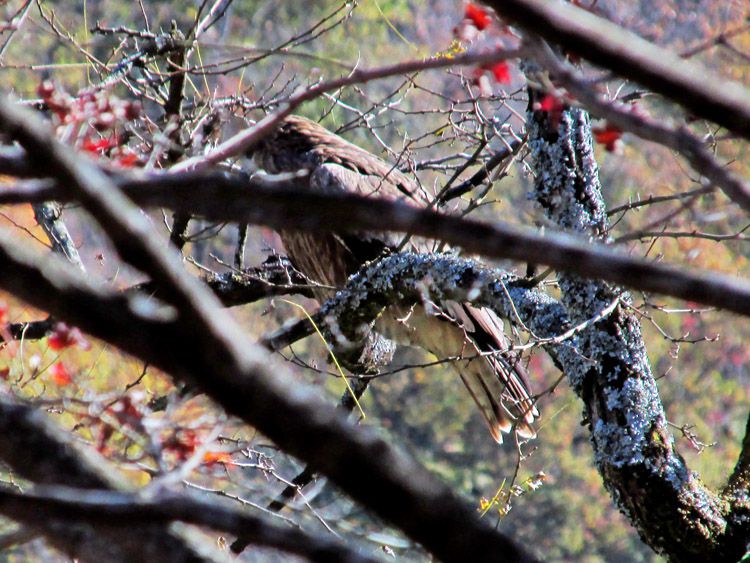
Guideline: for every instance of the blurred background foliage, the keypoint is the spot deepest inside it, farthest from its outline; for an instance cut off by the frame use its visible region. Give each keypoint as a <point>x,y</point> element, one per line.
<point>558,506</point>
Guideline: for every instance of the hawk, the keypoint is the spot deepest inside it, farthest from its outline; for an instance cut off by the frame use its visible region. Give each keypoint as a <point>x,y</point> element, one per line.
<point>496,382</point>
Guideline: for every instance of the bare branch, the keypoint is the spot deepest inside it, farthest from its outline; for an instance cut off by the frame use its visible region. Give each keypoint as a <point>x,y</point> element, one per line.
<point>254,387</point>
<point>610,46</point>
<point>102,509</point>
<point>36,449</point>
<point>224,198</point>
<point>245,140</point>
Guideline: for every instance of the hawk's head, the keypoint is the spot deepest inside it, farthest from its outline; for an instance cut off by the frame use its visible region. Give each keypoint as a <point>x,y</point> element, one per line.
<point>296,144</point>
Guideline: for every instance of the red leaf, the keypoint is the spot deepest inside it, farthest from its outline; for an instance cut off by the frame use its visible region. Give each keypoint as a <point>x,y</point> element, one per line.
<point>60,374</point>
<point>501,72</point>
<point>607,136</point>
<point>550,103</point>
<point>736,358</point>
<point>127,160</point>
<point>56,100</point>
<point>64,336</point>
<point>100,146</point>
<point>478,16</point>
<point>553,107</point>
<point>689,323</point>
<point>211,458</point>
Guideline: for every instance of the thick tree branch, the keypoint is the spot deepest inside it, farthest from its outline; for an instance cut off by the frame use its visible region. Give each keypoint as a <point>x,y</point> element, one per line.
<point>129,231</point>
<point>105,509</point>
<point>13,162</point>
<point>32,330</point>
<point>633,448</point>
<point>275,276</point>
<point>610,46</point>
<point>739,482</point>
<point>281,205</point>
<point>308,474</point>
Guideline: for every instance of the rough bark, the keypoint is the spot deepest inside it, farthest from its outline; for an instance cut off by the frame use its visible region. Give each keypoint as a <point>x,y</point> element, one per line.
<point>633,448</point>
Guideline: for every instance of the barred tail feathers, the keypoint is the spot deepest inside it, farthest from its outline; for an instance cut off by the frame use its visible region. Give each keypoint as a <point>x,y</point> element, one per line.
<point>496,382</point>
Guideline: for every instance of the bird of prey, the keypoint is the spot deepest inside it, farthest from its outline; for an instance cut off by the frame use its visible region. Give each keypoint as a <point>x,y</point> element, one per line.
<point>496,382</point>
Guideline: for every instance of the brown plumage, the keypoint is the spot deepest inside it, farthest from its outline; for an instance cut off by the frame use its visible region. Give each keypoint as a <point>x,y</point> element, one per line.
<point>496,382</point>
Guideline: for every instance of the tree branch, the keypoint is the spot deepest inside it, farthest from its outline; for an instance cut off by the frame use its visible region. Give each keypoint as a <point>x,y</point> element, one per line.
<point>37,450</point>
<point>104,509</point>
<point>633,448</point>
<point>244,141</point>
<point>275,276</point>
<point>610,46</point>
<point>281,205</point>
<point>221,362</point>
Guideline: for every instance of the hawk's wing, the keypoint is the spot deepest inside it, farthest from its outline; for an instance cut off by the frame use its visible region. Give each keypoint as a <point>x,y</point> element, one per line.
<point>333,178</point>
<point>488,336</point>
<point>300,143</point>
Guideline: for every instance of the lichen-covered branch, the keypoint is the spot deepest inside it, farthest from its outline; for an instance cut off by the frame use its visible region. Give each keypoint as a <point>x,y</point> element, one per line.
<point>634,450</point>
<point>404,279</point>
